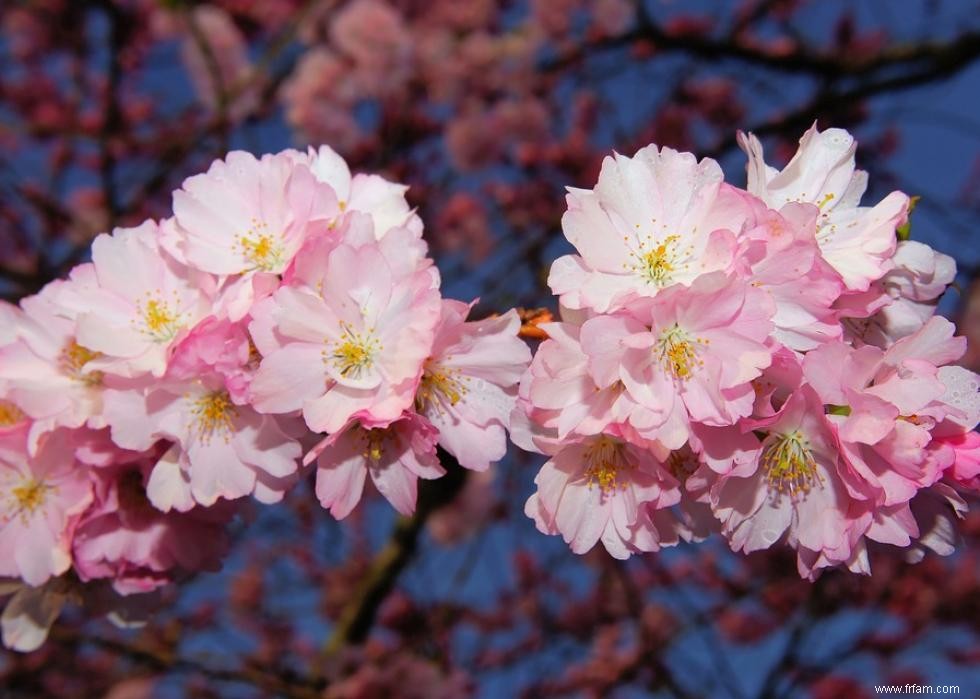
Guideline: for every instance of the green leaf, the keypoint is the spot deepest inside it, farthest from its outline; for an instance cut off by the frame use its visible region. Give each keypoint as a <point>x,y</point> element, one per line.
<point>904,232</point>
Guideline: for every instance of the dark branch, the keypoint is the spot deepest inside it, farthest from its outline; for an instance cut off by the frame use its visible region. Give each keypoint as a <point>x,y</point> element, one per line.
<point>830,100</point>
<point>804,60</point>
<point>357,618</point>
<point>161,660</point>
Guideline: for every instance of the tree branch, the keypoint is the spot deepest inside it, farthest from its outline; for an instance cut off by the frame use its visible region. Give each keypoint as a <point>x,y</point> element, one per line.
<point>804,60</point>
<point>162,660</point>
<point>830,100</point>
<point>357,617</point>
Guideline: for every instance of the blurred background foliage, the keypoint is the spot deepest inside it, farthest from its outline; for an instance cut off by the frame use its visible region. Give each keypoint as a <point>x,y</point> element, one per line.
<point>488,110</point>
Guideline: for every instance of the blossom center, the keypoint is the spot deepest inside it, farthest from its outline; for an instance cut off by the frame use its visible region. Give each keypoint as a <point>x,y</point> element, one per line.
<point>213,413</point>
<point>661,260</point>
<point>260,247</point>
<point>789,464</point>
<point>159,319</point>
<point>604,461</point>
<point>440,384</point>
<point>678,352</point>
<point>30,495</point>
<point>72,361</point>
<point>373,442</point>
<point>354,353</point>
<point>658,261</point>
<point>10,414</point>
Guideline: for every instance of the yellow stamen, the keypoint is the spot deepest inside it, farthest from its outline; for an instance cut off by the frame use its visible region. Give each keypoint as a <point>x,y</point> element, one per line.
<point>678,352</point>
<point>30,495</point>
<point>660,262</point>
<point>789,464</point>
<point>351,357</point>
<point>827,198</point>
<point>374,442</point>
<point>158,318</point>
<point>72,361</point>
<point>657,259</point>
<point>604,459</point>
<point>354,353</point>
<point>10,414</point>
<point>260,247</point>
<point>214,412</point>
<point>437,383</point>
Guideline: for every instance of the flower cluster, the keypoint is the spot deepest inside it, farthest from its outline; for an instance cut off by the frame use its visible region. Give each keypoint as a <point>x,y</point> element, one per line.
<point>763,362</point>
<point>287,308</point>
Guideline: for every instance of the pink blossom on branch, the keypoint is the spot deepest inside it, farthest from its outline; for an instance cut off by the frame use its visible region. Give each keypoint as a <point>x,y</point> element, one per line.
<point>778,343</point>
<point>355,345</point>
<point>41,499</point>
<point>718,368</point>
<point>125,539</point>
<point>600,489</point>
<point>469,383</point>
<point>857,241</point>
<point>687,355</point>
<point>134,301</point>
<point>649,223</point>
<point>395,456</point>
<point>222,450</point>
<point>173,374</point>
<point>46,373</point>
<point>247,215</point>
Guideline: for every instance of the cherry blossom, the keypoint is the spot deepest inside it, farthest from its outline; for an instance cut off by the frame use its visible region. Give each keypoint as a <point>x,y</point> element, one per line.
<point>47,374</point>
<point>395,456</point>
<point>774,347</point>
<point>41,499</point>
<point>763,364</point>
<point>134,301</point>
<point>649,223</point>
<point>356,345</point>
<point>221,449</point>
<point>468,386</point>
<point>857,241</point>
<point>250,215</point>
<point>688,354</point>
<point>598,489</point>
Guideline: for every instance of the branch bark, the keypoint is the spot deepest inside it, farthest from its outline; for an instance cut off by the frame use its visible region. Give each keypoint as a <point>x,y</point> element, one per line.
<point>804,60</point>
<point>357,618</point>
<point>830,100</point>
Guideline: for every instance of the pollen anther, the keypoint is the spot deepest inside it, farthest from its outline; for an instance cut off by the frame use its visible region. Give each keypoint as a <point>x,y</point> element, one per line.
<point>789,464</point>
<point>214,413</point>
<point>678,352</point>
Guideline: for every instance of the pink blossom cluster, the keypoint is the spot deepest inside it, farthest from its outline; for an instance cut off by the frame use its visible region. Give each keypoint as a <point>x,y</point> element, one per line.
<point>286,319</point>
<point>761,362</point>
